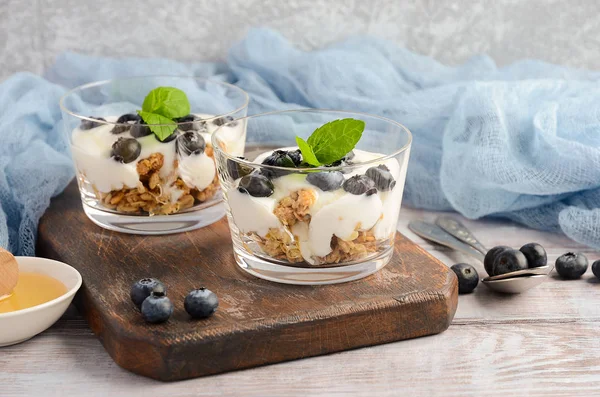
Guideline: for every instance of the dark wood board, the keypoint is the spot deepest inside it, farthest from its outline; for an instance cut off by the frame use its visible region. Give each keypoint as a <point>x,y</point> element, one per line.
<point>258,322</point>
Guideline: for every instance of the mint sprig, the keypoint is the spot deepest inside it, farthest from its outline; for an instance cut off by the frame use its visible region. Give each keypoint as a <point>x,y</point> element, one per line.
<point>331,142</point>
<point>161,106</point>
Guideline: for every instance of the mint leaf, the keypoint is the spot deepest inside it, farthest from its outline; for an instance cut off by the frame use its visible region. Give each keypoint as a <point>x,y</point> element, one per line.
<point>161,131</point>
<point>332,141</point>
<point>169,102</point>
<point>307,153</point>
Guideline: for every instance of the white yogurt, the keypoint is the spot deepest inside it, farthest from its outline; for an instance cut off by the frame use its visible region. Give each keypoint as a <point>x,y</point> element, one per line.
<point>336,213</point>
<point>91,151</point>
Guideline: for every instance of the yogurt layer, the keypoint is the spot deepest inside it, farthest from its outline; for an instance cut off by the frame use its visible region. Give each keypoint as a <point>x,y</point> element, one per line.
<point>333,213</point>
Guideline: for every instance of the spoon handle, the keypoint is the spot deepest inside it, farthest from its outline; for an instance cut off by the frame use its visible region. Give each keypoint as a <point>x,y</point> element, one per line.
<point>436,234</point>
<point>460,231</point>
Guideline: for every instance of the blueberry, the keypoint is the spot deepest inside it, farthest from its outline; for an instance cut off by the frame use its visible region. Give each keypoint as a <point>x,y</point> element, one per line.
<point>140,129</point>
<point>596,269</point>
<point>89,124</point>
<point>237,170</point>
<point>190,142</point>
<point>490,257</point>
<point>128,119</point>
<point>256,185</point>
<point>126,150</point>
<point>173,135</point>
<point>467,277</point>
<point>382,177</point>
<point>326,180</point>
<point>201,303</point>
<point>279,158</point>
<point>535,254</point>
<point>157,308</point>
<point>222,120</point>
<point>190,123</point>
<point>296,156</point>
<point>143,288</point>
<point>359,184</point>
<point>509,260</point>
<point>571,265</point>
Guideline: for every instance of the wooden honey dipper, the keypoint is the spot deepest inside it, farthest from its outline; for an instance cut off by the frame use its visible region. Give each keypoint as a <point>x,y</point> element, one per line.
<point>9,272</point>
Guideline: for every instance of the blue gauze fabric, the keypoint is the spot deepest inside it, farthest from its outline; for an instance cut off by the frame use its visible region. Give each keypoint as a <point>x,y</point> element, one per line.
<point>520,142</point>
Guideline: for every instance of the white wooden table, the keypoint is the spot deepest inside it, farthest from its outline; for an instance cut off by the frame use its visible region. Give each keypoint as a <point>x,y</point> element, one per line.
<point>544,342</point>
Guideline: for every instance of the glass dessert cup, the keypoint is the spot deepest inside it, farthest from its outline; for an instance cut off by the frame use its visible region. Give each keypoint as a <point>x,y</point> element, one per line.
<point>158,187</point>
<point>313,225</point>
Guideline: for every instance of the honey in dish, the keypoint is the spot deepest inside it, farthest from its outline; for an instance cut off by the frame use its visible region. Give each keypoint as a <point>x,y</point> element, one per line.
<point>32,289</point>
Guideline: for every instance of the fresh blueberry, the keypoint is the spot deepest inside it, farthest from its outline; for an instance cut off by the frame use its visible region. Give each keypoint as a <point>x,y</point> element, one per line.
<point>222,120</point>
<point>140,129</point>
<point>279,158</point>
<point>143,288</point>
<point>157,308</point>
<point>509,260</point>
<point>571,265</point>
<point>237,170</point>
<point>256,185</point>
<point>326,180</point>
<point>126,121</point>
<point>490,257</point>
<point>467,277</point>
<point>126,150</point>
<point>382,177</point>
<point>201,303</point>
<point>190,123</point>
<point>296,156</point>
<point>359,184</point>
<point>596,269</point>
<point>190,142</point>
<point>173,135</point>
<point>89,124</point>
<point>535,254</point>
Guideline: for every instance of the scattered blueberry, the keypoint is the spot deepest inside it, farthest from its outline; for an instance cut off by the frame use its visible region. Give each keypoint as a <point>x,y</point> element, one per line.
<point>509,260</point>
<point>296,156</point>
<point>256,185</point>
<point>490,257</point>
<point>571,265</point>
<point>190,123</point>
<point>535,254</point>
<point>279,158</point>
<point>237,170</point>
<point>382,177</point>
<point>128,119</point>
<point>190,142</point>
<point>327,180</point>
<point>140,129</point>
<point>359,184</point>
<point>126,150</point>
<point>143,288</point>
<point>222,120</point>
<point>467,277</point>
<point>157,308</point>
<point>596,269</point>
<point>89,124</point>
<point>201,303</point>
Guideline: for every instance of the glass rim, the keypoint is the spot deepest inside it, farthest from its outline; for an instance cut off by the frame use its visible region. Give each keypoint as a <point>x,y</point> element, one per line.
<point>405,147</point>
<point>82,87</point>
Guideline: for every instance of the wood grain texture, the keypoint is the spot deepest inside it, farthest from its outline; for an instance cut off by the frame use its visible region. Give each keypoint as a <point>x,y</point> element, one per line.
<point>258,322</point>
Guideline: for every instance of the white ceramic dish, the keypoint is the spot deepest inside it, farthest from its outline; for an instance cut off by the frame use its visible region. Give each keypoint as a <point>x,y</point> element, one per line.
<point>18,326</point>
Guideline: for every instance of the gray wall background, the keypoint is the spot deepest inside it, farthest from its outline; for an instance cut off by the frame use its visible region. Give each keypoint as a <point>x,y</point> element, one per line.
<point>33,32</point>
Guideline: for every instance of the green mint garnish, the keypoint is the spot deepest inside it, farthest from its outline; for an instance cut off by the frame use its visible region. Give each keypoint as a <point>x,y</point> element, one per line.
<point>331,142</point>
<point>161,106</point>
<point>161,131</point>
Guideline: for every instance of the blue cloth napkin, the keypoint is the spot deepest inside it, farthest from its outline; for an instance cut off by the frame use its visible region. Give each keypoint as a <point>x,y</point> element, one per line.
<point>520,142</point>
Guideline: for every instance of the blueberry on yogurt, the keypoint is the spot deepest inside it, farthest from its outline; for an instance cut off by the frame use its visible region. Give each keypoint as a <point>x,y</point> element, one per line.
<point>219,121</point>
<point>237,170</point>
<point>326,181</point>
<point>125,122</point>
<point>190,142</point>
<point>256,185</point>
<point>359,184</point>
<point>382,177</point>
<point>140,129</point>
<point>126,150</point>
<point>89,124</point>
<point>190,123</point>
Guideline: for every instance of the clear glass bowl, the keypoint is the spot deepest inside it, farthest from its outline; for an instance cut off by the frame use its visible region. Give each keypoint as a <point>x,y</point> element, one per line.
<point>165,188</point>
<point>311,225</point>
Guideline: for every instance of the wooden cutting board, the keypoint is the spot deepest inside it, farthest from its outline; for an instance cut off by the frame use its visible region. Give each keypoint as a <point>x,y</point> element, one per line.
<point>258,322</point>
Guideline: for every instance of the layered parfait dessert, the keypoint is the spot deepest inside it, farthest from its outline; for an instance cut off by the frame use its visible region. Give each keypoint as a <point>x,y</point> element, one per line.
<point>321,203</point>
<point>149,163</point>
